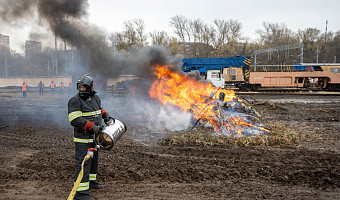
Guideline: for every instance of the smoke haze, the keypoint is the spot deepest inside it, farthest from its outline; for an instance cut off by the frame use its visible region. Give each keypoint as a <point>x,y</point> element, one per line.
<point>66,20</point>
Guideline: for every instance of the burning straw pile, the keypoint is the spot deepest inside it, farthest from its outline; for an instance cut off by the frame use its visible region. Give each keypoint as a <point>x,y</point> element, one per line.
<point>227,114</point>
<point>232,122</point>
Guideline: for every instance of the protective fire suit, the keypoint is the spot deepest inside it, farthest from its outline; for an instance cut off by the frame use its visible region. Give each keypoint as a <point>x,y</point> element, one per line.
<point>83,115</point>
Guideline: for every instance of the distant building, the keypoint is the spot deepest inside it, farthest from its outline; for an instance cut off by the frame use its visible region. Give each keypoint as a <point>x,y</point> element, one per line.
<point>4,41</point>
<point>32,48</point>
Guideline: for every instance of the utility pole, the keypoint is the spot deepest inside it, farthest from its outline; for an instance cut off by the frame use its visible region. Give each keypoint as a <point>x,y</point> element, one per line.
<point>255,64</point>
<point>326,31</point>
<point>48,68</point>
<point>64,54</point>
<point>6,70</point>
<point>72,59</point>
<point>317,54</point>
<point>56,53</point>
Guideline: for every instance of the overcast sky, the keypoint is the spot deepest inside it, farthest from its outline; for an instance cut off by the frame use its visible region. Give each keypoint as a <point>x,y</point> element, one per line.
<point>157,13</point>
<point>296,14</point>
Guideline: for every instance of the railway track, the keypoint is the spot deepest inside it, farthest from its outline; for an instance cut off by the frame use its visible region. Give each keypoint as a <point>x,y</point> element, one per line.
<point>288,91</point>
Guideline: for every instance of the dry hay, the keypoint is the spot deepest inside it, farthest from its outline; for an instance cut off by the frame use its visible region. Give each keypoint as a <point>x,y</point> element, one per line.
<point>281,135</point>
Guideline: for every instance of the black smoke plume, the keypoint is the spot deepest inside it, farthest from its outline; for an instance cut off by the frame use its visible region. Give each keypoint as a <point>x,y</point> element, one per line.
<point>67,20</point>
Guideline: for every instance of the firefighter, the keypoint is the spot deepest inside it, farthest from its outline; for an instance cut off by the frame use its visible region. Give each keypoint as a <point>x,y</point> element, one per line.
<point>41,88</point>
<point>61,88</point>
<point>85,114</point>
<point>52,86</point>
<point>24,89</point>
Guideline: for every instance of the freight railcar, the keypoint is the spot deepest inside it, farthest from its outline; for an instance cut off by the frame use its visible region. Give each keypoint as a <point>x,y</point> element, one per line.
<point>325,76</point>
<point>236,71</point>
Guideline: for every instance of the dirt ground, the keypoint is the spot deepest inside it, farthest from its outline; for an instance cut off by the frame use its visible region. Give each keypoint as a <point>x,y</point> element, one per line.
<point>37,155</point>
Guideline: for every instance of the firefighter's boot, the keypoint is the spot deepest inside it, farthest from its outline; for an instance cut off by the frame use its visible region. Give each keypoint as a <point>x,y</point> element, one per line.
<point>95,185</point>
<point>82,196</point>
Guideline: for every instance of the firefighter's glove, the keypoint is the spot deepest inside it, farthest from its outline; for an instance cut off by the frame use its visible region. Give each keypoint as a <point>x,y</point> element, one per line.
<point>96,129</point>
<point>107,118</point>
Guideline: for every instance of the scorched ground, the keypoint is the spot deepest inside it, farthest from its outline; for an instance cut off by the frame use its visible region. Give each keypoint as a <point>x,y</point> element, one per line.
<point>37,159</point>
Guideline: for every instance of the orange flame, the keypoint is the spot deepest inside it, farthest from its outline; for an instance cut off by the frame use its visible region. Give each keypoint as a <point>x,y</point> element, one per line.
<point>193,96</point>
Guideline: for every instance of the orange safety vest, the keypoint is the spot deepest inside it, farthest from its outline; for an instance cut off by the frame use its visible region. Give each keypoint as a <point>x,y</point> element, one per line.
<point>62,85</point>
<point>52,85</point>
<point>24,87</point>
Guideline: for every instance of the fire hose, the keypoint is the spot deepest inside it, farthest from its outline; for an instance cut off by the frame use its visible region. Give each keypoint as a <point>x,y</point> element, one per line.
<point>81,173</point>
<point>105,139</point>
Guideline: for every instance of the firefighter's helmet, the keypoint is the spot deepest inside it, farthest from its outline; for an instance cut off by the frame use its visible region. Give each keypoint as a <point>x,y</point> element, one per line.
<point>87,81</point>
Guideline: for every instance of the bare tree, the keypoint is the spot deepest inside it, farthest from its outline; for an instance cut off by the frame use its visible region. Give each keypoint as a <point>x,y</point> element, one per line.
<point>221,33</point>
<point>121,42</point>
<point>329,36</point>
<point>113,38</point>
<point>336,46</point>
<point>196,27</point>
<point>208,35</point>
<point>188,29</point>
<point>275,34</point>
<point>309,35</point>
<point>130,33</point>
<point>160,38</point>
<point>141,36</point>
<point>234,31</point>
<point>203,36</point>
<point>227,31</point>
<point>180,23</point>
<point>227,35</point>
<point>174,45</point>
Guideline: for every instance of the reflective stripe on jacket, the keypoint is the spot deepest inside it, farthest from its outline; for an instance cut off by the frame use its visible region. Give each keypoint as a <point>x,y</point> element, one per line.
<point>81,111</point>
<point>75,114</point>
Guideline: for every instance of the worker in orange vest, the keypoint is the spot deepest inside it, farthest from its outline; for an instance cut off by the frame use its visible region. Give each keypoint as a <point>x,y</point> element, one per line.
<point>61,88</point>
<point>52,86</point>
<point>24,89</point>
